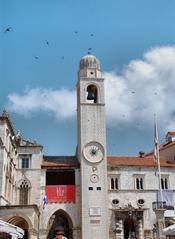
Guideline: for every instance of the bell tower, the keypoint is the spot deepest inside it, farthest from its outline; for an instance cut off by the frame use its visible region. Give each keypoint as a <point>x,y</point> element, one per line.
<point>92,149</point>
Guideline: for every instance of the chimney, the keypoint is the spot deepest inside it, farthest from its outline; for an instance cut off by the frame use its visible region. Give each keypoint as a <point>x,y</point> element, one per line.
<point>141,154</point>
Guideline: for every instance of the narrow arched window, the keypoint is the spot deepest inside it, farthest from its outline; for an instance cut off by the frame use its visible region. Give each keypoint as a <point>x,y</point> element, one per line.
<point>141,183</point>
<point>116,183</point>
<point>166,183</point>
<point>137,183</point>
<point>92,96</point>
<point>162,183</point>
<point>112,183</point>
<point>24,190</point>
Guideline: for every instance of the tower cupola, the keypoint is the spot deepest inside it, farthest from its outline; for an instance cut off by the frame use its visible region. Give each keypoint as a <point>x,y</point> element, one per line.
<point>89,67</point>
<point>89,61</point>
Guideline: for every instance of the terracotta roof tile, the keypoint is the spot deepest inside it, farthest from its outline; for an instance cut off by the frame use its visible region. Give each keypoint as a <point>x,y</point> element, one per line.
<point>166,145</point>
<point>161,147</point>
<point>131,161</point>
<point>172,133</point>
<point>60,161</point>
<point>147,161</point>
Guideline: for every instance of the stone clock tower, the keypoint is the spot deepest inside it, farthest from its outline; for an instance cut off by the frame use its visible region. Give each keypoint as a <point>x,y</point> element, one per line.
<point>92,149</point>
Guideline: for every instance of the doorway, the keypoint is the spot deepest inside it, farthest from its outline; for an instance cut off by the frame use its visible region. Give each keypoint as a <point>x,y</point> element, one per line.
<point>60,218</point>
<point>129,228</point>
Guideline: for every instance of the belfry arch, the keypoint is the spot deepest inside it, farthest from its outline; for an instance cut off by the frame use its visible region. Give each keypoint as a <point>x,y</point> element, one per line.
<point>60,218</point>
<point>92,93</point>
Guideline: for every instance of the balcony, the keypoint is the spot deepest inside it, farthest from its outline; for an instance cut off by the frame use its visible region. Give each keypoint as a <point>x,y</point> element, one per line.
<point>60,193</point>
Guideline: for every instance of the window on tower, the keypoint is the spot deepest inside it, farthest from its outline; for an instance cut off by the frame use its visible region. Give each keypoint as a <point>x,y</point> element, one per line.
<point>92,94</point>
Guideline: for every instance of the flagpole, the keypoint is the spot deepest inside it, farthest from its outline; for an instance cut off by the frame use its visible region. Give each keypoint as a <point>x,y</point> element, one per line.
<point>158,160</point>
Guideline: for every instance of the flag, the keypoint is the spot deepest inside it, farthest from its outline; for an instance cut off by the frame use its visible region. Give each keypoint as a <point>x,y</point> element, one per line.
<point>156,146</point>
<point>44,201</point>
<point>157,160</point>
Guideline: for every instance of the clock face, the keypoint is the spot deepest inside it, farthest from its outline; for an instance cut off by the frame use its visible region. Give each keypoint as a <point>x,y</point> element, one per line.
<point>93,152</point>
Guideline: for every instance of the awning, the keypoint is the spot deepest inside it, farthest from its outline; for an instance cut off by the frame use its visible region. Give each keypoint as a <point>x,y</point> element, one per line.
<point>169,231</point>
<point>12,230</point>
<point>169,213</point>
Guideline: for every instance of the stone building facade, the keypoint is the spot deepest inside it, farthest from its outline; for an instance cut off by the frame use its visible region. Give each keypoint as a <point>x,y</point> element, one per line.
<point>90,194</point>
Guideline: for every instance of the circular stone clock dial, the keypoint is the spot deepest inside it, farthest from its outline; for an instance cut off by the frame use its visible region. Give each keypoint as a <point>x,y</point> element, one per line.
<point>93,152</point>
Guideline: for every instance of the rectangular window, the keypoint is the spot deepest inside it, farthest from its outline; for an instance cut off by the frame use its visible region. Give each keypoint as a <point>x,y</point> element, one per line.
<point>25,162</point>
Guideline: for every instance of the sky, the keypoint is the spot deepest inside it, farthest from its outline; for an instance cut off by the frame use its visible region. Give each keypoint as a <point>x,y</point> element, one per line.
<point>41,44</point>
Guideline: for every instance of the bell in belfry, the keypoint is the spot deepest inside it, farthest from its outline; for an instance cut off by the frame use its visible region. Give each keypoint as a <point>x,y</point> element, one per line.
<point>91,95</point>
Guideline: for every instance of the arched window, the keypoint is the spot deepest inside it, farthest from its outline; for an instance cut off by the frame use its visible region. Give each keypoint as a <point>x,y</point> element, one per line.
<point>141,183</point>
<point>92,96</point>
<point>137,183</point>
<point>112,183</point>
<point>24,191</point>
<point>164,183</point>
<point>116,183</point>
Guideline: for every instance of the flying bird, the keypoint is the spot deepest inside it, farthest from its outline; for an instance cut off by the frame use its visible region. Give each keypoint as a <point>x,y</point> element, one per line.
<point>92,35</point>
<point>133,92</point>
<point>47,43</point>
<point>36,57</point>
<point>8,29</point>
<point>89,49</point>
<point>75,32</point>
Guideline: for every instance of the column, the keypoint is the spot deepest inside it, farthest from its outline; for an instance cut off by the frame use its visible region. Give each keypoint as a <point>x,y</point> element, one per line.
<point>76,233</point>
<point>160,222</point>
<point>140,229</point>
<point>43,233</point>
<point>119,229</point>
<point>32,234</point>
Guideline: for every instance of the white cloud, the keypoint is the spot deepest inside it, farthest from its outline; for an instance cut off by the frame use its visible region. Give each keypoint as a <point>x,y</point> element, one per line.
<point>144,87</point>
<point>59,102</point>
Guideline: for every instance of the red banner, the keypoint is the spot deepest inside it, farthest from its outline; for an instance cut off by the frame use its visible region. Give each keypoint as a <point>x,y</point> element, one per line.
<point>60,193</point>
